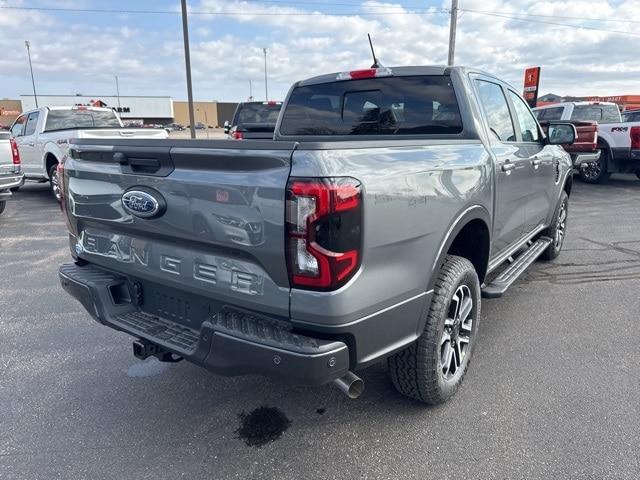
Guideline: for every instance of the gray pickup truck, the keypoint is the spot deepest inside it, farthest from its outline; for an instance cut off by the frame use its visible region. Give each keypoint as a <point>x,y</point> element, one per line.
<point>388,203</point>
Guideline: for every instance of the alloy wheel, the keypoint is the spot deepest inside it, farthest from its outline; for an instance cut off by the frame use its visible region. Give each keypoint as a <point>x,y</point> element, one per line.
<point>458,327</point>
<point>561,226</point>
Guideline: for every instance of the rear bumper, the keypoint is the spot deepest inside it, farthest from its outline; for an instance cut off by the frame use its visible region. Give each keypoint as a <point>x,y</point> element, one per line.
<point>229,342</point>
<point>11,181</point>
<point>580,158</point>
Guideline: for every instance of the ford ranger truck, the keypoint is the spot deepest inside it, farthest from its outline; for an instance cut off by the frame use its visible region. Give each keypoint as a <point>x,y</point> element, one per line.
<point>389,201</point>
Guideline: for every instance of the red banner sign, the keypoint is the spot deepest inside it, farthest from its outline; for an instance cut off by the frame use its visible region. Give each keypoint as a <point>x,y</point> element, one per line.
<point>531,82</point>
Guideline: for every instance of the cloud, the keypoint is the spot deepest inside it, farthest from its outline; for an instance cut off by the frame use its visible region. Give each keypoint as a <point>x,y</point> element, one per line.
<point>227,49</point>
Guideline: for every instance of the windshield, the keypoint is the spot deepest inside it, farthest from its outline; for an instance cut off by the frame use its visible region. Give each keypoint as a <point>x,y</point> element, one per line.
<point>72,119</point>
<point>383,106</point>
<point>258,113</point>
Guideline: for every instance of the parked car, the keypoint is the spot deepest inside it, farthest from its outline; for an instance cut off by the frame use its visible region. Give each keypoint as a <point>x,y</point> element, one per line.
<point>200,126</point>
<point>388,202</point>
<point>11,176</point>
<point>175,127</point>
<point>253,121</point>
<point>631,116</point>
<point>43,135</point>
<point>618,141</point>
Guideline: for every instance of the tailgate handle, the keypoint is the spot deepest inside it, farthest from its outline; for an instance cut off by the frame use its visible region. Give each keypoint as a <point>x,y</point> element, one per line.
<point>147,165</point>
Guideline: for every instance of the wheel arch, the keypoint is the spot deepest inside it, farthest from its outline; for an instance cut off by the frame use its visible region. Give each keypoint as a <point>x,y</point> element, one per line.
<point>49,160</point>
<point>470,237</point>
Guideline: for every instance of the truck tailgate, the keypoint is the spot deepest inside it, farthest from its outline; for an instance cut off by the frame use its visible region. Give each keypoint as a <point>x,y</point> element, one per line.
<point>135,133</point>
<point>220,236</point>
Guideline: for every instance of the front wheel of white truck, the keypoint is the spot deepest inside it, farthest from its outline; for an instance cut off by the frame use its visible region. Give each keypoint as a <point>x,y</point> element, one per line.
<point>431,369</point>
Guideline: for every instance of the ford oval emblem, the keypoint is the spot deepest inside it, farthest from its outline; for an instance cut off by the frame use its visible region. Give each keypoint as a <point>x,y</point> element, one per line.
<point>145,203</point>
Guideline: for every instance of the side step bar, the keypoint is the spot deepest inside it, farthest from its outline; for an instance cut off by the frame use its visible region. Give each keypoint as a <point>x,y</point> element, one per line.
<point>503,281</point>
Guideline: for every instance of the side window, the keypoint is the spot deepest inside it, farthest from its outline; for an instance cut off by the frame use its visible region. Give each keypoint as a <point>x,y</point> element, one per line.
<point>495,107</point>
<point>610,114</point>
<point>18,126</point>
<point>32,121</point>
<point>525,119</point>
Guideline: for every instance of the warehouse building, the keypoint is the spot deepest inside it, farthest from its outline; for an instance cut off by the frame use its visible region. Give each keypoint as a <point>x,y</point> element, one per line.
<point>133,110</point>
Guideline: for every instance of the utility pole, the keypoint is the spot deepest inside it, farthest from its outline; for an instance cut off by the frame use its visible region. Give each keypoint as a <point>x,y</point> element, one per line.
<point>27,44</point>
<point>250,90</point>
<point>266,88</point>
<point>118,91</point>
<point>187,62</point>
<point>452,30</point>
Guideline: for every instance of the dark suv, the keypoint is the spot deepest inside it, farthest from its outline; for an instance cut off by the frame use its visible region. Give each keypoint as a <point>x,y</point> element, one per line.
<point>253,121</point>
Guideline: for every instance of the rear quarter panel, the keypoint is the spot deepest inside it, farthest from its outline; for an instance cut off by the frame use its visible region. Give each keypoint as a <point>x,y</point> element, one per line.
<point>412,196</point>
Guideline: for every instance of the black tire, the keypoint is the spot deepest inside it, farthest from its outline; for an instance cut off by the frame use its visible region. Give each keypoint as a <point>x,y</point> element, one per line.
<point>638,174</point>
<point>53,182</point>
<point>558,229</point>
<point>3,205</point>
<point>14,189</point>
<point>418,371</point>
<point>596,172</point>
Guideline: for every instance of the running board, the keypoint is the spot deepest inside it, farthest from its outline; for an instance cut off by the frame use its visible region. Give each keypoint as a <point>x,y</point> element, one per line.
<point>503,281</point>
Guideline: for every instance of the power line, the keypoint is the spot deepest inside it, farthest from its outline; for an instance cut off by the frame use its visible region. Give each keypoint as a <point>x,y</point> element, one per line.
<point>561,17</point>
<point>430,11</point>
<point>519,19</point>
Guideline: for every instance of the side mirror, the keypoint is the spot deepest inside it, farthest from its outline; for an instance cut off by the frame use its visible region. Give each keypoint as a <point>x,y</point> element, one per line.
<point>561,134</point>
<point>227,127</point>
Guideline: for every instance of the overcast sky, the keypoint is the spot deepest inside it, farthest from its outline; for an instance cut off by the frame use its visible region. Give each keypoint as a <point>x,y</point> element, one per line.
<point>80,52</point>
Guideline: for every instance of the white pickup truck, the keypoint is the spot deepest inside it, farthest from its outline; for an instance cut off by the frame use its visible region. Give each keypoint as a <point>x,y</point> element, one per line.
<point>43,135</point>
<point>11,176</point>
<point>618,141</point>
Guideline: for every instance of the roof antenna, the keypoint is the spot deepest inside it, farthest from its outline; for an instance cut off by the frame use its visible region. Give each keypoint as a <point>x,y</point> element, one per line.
<point>376,63</point>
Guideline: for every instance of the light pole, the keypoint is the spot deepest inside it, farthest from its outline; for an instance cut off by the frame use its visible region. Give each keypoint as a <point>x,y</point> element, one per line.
<point>206,122</point>
<point>266,87</point>
<point>27,44</point>
<point>187,62</point>
<point>452,30</point>
<point>250,90</point>
<point>118,90</point>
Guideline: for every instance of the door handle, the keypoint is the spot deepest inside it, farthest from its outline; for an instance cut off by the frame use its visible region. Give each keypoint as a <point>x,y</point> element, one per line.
<point>535,161</point>
<point>508,166</point>
<point>31,144</point>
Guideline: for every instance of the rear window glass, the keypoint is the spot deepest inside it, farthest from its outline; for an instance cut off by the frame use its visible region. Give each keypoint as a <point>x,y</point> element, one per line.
<point>599,113</point>
<point>257,113</point>
<point>382,106</point>
<point>70,119</point>
<point>547,114</point>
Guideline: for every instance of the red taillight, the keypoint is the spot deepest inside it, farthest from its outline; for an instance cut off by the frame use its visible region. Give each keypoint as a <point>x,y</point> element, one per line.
<point>15,154</point>
<point>237,135</point>
<point>635,137</point>
<point>324,231</point>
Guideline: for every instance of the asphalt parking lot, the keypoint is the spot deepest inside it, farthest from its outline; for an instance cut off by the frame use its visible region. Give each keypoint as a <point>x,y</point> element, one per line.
<point>553,390</point>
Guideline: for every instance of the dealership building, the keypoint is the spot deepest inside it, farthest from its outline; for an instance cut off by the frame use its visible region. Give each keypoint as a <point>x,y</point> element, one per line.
<point>133,110</point>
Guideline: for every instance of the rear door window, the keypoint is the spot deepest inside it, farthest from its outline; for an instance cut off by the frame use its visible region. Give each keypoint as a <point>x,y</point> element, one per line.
<point>496,110</point>
<point>32,122</point>
<point>258,113</point>
<point>376,106</point>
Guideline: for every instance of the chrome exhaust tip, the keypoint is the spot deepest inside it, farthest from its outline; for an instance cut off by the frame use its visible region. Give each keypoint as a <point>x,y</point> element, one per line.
<point>350,384</point>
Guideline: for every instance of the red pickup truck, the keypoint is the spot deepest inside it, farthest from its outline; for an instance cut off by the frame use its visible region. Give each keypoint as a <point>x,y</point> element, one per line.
<point>585,149</point>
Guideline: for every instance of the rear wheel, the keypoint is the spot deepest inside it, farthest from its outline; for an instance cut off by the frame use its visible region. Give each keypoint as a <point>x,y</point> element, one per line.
<point>596,172</point>
<point>558,229</point>
<point>638,174</point>
<point>3,205</point>
<point>14,189</point>
<point>432,368</point>
<point>54,182</point>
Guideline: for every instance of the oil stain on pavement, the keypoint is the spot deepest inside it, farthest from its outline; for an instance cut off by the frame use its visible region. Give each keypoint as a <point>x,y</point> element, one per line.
<point>262,425</point>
